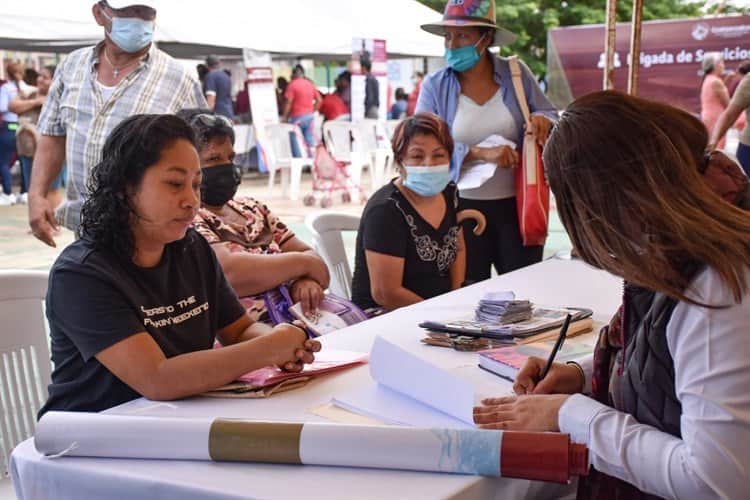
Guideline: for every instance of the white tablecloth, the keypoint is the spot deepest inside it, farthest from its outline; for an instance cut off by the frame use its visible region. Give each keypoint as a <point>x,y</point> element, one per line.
<point>553,282</point>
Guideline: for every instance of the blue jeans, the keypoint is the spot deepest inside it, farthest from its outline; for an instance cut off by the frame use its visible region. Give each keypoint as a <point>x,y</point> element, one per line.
<point>305,123</point>
<point>743,156</point>
<point>61,180</point>
<point>7,150</point>
<point>26,162</point>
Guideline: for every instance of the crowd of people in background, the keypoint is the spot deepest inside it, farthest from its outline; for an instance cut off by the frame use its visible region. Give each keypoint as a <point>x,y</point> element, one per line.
<point>725,104</point>
<point>25,91</point>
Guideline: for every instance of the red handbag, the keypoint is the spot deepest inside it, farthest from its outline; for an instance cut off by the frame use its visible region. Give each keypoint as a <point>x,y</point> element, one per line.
<point>532,191</point>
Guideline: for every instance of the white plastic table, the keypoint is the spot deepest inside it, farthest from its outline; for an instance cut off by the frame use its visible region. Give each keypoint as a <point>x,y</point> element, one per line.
<point>552,282</point>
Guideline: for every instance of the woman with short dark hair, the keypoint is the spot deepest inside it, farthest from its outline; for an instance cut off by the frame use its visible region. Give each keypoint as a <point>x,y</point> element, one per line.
<point>669,411</point>
<point>135,305</point>
<point>409,245</point>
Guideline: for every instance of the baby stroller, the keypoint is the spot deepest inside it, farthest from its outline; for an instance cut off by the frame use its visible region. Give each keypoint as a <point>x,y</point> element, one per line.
<point>329,176</point>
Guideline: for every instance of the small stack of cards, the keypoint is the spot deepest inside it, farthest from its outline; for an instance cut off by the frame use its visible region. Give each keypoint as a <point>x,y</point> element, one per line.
<point>503,308</point>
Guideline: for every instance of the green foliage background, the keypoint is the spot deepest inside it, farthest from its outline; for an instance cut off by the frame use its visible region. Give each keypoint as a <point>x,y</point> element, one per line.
<point>531,20</point>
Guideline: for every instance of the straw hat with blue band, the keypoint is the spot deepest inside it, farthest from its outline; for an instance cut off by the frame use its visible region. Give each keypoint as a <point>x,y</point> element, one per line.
<point>471,13</point>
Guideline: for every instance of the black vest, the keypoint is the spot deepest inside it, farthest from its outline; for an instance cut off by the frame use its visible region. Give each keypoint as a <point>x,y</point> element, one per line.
<point>634,357</point>
<point>644,387</point>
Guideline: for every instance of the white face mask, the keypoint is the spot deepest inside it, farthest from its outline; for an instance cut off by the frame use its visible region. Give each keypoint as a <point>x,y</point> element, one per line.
<point>427,181</point>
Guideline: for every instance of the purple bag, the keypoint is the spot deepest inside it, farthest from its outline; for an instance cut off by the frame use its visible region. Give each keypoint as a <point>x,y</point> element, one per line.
<point>280,309</point>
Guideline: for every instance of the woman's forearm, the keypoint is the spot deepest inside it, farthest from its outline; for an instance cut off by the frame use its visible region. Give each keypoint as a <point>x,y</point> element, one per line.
<point>251,274</point>
<point>20,106</point>
<point>139,362</point>
<point>395,298</point>
<point>477,154</point>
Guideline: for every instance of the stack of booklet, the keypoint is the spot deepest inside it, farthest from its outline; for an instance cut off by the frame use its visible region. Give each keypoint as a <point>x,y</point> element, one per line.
<point>501,307</point>
<point>511,328</point>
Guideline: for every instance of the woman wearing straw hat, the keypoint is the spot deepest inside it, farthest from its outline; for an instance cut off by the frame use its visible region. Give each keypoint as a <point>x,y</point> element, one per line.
<point>475,96</point>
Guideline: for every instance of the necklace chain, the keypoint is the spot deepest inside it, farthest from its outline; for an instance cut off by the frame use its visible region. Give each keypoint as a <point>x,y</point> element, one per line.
<point>116,70</point>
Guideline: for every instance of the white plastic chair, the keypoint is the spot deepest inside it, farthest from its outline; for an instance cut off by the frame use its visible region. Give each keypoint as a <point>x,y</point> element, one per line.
<point>326,228</point>
<point>376,144</point>
<point>342,140</point>
<point>24,358</point>
<point>243,139</point>
<point>281,158</point>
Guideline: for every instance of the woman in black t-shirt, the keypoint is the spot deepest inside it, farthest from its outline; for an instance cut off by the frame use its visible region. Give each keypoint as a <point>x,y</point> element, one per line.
<point>410,246</point>
<point>135,305</point>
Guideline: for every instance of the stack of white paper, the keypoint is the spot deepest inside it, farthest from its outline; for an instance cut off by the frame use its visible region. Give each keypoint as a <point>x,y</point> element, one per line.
<point>411,391</point>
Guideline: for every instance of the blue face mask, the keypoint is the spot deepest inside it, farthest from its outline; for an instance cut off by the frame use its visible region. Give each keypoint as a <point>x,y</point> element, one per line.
<point>131,34</point>
<point>427,181</point>
<point>462,58</point>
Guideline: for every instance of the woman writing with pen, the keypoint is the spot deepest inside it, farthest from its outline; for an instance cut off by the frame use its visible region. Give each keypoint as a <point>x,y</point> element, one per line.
<point>667,412</point>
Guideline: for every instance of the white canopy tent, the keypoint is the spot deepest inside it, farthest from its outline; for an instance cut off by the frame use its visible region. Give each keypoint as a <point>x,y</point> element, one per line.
<point>188,28</point>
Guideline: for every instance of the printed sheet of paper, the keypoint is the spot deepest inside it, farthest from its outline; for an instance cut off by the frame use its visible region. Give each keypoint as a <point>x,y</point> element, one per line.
<point>322,321</point>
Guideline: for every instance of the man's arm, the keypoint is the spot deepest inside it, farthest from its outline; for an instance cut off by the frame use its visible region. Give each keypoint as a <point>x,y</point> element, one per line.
<point>211,90</point>
<point>48,162</point>
<point>317,101</point>
<point>725,120</point>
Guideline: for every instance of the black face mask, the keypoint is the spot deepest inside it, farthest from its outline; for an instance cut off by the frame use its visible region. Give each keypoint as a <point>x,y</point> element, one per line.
<point>219,184</point>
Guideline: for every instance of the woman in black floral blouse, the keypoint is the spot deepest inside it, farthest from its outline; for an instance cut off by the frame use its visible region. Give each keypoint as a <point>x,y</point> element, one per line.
<point>410,246</point>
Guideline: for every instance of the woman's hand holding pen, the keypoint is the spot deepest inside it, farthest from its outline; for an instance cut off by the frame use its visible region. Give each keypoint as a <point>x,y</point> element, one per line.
<point>561,379</point>
<point>537,404</point>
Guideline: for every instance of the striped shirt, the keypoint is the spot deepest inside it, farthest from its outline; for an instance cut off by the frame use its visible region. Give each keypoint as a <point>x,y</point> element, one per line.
<point>76,109</point>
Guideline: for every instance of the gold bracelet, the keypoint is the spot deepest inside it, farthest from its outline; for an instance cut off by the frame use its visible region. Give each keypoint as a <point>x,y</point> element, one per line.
<point>580,370</point>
